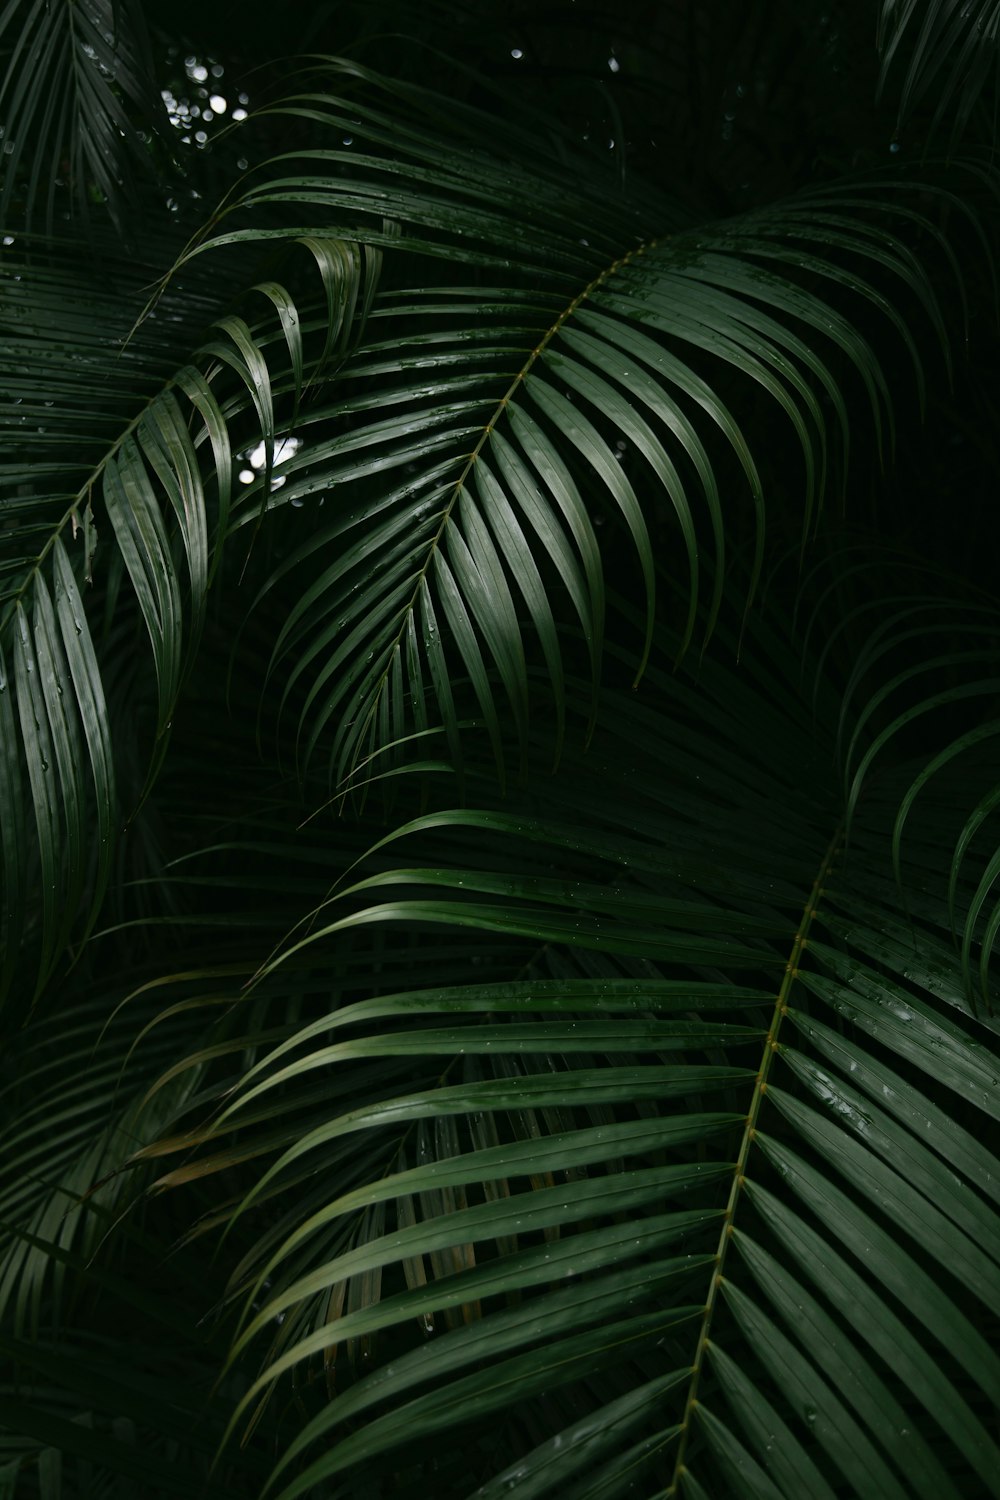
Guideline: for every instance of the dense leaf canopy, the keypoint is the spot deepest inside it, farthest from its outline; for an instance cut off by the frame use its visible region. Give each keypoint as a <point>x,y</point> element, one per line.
<point>499,682</point>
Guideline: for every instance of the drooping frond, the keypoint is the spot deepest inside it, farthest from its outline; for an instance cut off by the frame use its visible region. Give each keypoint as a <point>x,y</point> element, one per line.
<point>470,449</point>
<point>76,1090</point>
<point>686,1175</point>
<point>575,350</point>
<point>78,105</point>
<point>111,445</point>
<point>942,55</point>
<point>620,1124</point>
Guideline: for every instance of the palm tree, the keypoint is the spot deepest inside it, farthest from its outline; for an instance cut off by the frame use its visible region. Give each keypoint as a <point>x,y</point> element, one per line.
<point>498,790</point>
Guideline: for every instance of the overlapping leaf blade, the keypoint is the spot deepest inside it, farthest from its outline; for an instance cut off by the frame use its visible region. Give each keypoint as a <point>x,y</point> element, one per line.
<point>850,1150</point>
<point>668,1154</point>
<point>945,53</point>
<point>78,102</point>
<point>152,475</point>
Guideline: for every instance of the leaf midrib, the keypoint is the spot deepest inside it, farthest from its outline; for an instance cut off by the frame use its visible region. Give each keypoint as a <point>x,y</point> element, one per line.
<point>610,270</point>
<point>799,942</point>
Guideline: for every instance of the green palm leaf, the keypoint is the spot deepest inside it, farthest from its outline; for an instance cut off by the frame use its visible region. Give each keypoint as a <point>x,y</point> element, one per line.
<point>723,1125</point>
<point>512,405</point>
<point>78,102</point>
<point>949,58</point>
<point>155,480</point>
<point>477,497</point>
<point>620,1123</point>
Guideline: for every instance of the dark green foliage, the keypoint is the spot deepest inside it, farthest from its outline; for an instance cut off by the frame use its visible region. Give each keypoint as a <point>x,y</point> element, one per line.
<point>498,717</point>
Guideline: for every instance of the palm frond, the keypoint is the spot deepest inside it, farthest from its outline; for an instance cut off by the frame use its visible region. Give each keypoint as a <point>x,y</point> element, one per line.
<point>623,1123</point>
<point>693,1169</point>
<point>102,1369</point>
<point>522,415</point>
<point>485,427</point>
<point>79,106</point>
<point>946,56</point>
<point>120,1403</point>
<point>76,1094</point>
<point>154,476</point>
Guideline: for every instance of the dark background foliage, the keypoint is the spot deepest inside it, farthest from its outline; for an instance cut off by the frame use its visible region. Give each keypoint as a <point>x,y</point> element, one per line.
<point>723,107</point>
<point>122,1304</point>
